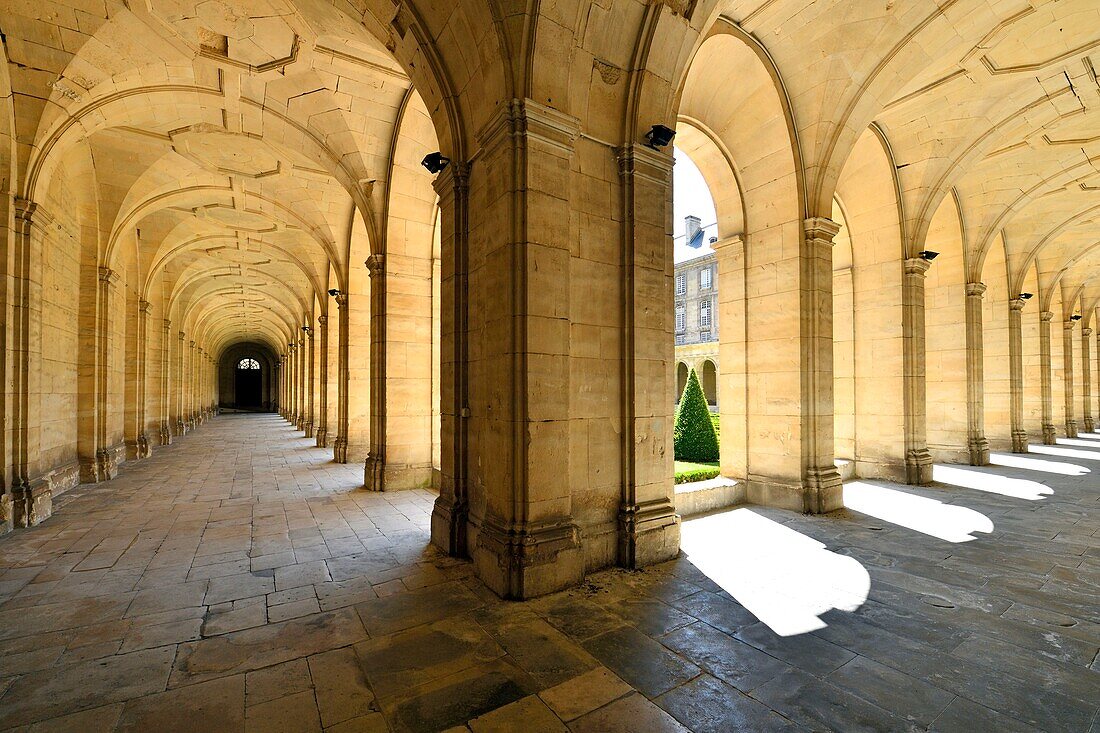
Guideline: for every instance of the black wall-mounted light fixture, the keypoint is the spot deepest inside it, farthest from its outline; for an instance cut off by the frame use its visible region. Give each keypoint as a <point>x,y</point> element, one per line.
<point>927,254</point>
<point>1026,296</point>
<point>333,292</point>
<point>1075,317</point>
<point>659,136</point>
<point>435,162</point>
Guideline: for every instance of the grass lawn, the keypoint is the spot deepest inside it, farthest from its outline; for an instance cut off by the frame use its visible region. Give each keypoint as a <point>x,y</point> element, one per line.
<point>686,471</point>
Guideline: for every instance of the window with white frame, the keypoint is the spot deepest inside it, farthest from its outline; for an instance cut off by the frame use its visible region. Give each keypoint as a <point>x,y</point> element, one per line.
<point>681,284</point>
<point>704,278</point>
<point>704,313</point>
<point>681,323</point>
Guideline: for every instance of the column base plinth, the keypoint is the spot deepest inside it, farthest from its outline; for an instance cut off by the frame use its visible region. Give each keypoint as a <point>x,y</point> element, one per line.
<point>649,533</point>
<point>979,452</point>
<point>1019,441</point>
<point>527,561</point>
<point>32,503</point>
<point>1090,426</point>
<point>449,517</point>
<point>1071,428</point>
<point>918,467</point>
<point>308,428</point>
<point>165,434</point>
<point>340,449</point>
<point>322,437</point>
<point>1050,435</point>
<point>7,510</point>
<point>820,492</point>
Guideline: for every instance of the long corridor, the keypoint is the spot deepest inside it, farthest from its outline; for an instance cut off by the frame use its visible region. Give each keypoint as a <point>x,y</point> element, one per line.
<point>241,580</point>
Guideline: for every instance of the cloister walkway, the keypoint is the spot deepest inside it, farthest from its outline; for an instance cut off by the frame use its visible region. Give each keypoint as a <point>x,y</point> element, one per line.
<point>239,580</point>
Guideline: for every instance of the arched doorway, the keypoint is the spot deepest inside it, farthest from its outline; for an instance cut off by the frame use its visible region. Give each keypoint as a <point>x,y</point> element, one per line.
<point>249,384</point>
<point>710,383</point>
<point>681,379</point>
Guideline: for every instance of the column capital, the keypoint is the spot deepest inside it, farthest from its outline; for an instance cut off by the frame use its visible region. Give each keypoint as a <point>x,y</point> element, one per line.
<point>107,275</point>
<point>735,240</point>
<point>1016,304</point>
<point>144,306</point>
<point>376,265</point>
<point>342,300</point>
<point>644,162</point>
<point>1046,316</point>
<point>1086,332</point>
<point>818,227</point>
<point>917,266</point>
<point>182,335</point>
<point>1068,324</point>
<point>322,320</point>
<point>191,344</point>
<point>455,177</point>
<point>167,325</point>
<point>975,290</point>
<point>531,119</point>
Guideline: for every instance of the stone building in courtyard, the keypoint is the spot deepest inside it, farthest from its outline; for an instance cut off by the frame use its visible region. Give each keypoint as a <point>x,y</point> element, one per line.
<point>695,306</point>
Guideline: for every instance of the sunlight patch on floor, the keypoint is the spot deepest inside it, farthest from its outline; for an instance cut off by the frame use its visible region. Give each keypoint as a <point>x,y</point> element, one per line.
<point>1014,460</point>
<point>786,579</point>
<point>1018,488</point>
<point>1057,450</point>
<point>919,513</point>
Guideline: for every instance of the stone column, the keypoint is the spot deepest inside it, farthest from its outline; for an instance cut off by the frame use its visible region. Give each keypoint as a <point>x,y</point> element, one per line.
<point>102,464</point>
<point>1067,351</point>
<point>451,511</point>
<point>374,473</point>
<point>1086,381</point>
<point>311,382</point>
<point>181,424</point>
<point>144,448</point>
<point>975,377</point>
<point>321,432</point>
<point>1016,374</point>
<point>340,445</point>
<point>649,528</point>
<point>190,396</point>
<point>1049,434</point>
<point>918,461</point>
<point>292,380</point>
<point>821,486</point>
<point>302,384</point>
<point>31,498</point>
<point>165,398</point>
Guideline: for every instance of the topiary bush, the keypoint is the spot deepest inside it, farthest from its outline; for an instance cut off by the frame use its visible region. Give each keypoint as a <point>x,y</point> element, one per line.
<point>694,438</point>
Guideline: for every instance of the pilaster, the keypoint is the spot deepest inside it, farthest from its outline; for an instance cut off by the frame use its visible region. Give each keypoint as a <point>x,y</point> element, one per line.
<point>918,461</point>
<point>1067,382</point>
<point>1086,381</point>
<point>321,433</point>
<point>977,443</point>
<point>311,378</point>
<point>340,445</point>
<point>1016,374</point>
<point>1049,433</point>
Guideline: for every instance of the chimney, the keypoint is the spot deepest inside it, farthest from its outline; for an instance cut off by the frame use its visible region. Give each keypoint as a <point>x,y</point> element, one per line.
<point>693,229</point>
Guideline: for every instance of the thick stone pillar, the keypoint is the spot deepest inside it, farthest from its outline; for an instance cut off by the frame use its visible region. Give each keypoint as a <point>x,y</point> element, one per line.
<point>165,433</point>
<point>340,445</point>
<point>976,441</point>
<point>1016,374</point>
<point>311,382</point>
<point>190,394</point>
<point>649,528</point>
<point>1049,433</point>
<point>321,433</point>
<point>292,376</point>
<point>918,461</point>
<point>1086,381</point>
<point>1067,371</point>
<point>451,511</point>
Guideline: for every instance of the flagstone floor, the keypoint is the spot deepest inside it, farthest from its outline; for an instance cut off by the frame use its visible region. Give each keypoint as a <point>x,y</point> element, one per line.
<point>239,581</point>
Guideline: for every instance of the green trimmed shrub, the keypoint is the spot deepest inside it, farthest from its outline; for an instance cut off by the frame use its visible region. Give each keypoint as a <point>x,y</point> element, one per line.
<point>693,435</point>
